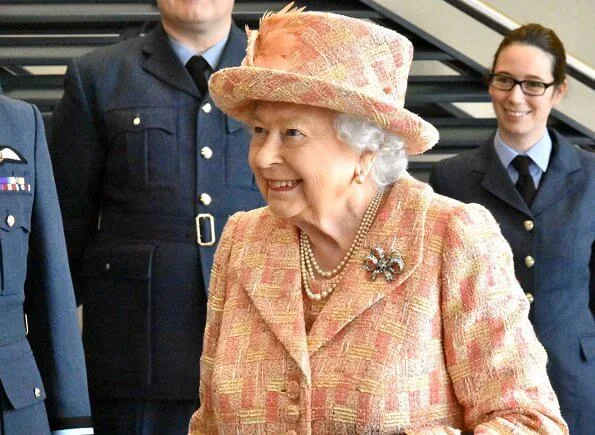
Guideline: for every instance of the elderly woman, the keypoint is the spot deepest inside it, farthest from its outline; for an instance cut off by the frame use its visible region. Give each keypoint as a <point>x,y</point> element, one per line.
<point>358,301</point>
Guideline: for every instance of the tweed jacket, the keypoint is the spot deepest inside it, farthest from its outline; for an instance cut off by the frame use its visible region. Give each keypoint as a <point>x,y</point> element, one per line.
<point>42,366</point>
<point>446,346</point>
<point>558,232</point>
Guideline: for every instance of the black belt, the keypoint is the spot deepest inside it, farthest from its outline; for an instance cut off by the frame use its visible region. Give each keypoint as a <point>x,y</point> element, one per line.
<point>12,326</point>
<point>200,230</point>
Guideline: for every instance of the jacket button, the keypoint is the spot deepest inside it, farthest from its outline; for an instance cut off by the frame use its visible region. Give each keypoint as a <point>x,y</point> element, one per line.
<point>529,225</point>
<point>136,121</point>
<point>106,267</point>
<point>207,108</point>
<point>206,153</point>
<point>205,198</point>
<point>529,297</point>
<point>10,220</point>
<point>292,413</point>
<point>529,261</point>
<point>293,389</point>
<point>37,393</point>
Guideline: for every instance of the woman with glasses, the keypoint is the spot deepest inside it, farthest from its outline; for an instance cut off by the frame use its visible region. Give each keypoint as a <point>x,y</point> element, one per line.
<point>541,190</point>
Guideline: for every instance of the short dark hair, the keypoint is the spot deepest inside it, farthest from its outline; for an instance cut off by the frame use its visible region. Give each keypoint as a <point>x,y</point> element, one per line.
<point>540,37</point>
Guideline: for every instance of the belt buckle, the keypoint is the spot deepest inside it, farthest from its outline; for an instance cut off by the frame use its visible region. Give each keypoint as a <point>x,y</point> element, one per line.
<point>199,238</point>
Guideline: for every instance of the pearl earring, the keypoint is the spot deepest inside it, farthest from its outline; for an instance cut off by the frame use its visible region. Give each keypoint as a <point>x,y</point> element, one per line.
<point>359,178</point>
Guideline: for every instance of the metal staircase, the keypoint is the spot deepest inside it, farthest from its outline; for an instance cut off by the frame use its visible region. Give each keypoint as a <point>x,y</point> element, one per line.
<point>38,37</point>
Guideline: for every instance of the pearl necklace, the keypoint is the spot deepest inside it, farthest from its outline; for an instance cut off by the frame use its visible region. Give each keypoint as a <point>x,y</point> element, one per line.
<point>309,265</point>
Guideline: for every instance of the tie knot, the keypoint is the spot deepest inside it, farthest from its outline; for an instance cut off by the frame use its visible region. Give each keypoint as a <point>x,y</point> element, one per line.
<point>521,164</point>
<point>197,65</point>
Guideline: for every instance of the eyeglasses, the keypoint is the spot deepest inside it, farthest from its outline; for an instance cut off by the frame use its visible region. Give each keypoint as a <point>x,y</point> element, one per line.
<point>529,87</point>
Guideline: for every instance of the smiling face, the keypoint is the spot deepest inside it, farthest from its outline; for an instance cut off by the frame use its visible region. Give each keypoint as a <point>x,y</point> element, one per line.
<point>303,170</point>
<point>522,118</point>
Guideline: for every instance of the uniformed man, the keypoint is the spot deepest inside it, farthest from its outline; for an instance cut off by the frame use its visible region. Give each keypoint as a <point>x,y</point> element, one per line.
<point>43,382</point>
<point>148,171</point>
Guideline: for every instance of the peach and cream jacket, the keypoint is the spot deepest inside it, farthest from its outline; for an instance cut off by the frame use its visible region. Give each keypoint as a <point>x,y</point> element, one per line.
<point>446,346</point>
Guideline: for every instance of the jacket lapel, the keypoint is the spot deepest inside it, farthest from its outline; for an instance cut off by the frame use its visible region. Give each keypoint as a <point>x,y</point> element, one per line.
<point>496,179</point>
<point>163,63</point>
<point>556,181</point>
<point>275,289</point>
<point>399,223</point>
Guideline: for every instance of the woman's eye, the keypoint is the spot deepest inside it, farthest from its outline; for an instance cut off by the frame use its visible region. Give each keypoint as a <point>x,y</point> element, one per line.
<point>257,130</point>
<point>292,132</point>
<point>534,85</point>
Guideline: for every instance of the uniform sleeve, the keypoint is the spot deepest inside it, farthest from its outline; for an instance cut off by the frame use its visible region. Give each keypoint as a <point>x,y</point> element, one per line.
<point>204,419</point>
<point>497,366</point>
<point>78,157</point>
<point>50,306</point>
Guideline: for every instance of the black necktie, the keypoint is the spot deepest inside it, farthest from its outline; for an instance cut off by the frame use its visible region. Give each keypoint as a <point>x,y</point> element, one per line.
<point>524,184</point>
<point>197,66</point>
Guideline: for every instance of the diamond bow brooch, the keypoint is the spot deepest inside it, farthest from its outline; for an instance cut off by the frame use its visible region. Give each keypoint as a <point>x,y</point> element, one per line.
<point>378,263</point>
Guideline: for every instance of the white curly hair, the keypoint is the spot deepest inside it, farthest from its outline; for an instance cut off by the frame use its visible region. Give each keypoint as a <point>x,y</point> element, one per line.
<point>363,136</point>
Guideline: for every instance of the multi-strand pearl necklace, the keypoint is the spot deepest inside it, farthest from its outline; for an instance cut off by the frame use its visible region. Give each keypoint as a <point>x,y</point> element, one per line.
<point>309,265</point>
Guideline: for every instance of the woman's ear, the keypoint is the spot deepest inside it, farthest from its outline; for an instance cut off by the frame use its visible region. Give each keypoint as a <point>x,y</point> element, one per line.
<point>366,162</point>
<point>559,92</point>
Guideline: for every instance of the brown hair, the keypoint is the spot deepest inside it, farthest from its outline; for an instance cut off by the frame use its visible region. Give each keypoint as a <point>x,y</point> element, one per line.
<point>540,37</point>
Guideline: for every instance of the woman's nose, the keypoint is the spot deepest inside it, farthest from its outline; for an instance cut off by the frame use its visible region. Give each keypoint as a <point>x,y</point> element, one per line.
<point>269,153</point>
<point>516,93</point>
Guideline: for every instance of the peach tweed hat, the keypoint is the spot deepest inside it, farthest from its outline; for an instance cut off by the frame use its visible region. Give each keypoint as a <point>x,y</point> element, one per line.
<point>325,60</point>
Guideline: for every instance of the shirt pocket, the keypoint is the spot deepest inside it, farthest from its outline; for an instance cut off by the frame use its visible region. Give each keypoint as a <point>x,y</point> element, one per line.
<point>15,225</point>
<point>143,147</point>
<point>237,170</point>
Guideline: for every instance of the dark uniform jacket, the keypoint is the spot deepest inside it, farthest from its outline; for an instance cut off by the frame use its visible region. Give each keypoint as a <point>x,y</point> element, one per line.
<point>138,155</point>
<point>44,370</point>
<point>553,246</point>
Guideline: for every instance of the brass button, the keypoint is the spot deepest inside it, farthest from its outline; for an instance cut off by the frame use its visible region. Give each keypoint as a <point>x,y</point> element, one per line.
<point>37,393</point>
<point>10,220</point>
<point>529,261</point>
<point>293,389</point>
<point>292,413</point>
<point>207,107</point>
<point>206,153</point>
<point>529,225</point>
<point>136,121</point>
<point>205,198</point>
<point>106,267</point>
<point>530,297</point>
